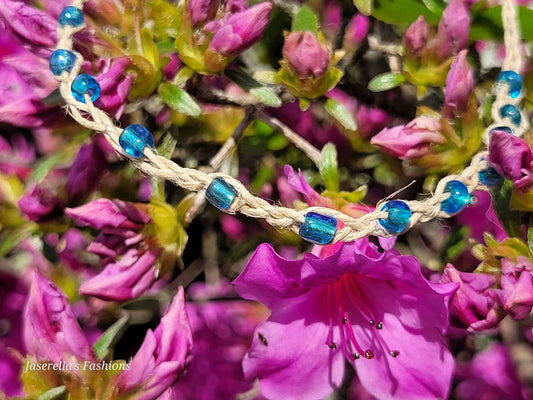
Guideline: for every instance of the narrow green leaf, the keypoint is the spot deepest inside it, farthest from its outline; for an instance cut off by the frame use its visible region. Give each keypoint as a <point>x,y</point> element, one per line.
<point>184,74</point>
<point>386,81</point>
<point>340,113</point>
<point>110,337</point>
<point>179,100</point>
<point>501,196</point>
<point>304,104</point>
<point>329,167</point>
<point>403,12</point>
<point>267,77</point>
<point>54,394</point>
<point>46,166</point>
<point>256,89</point>
<point>305,20</point>
<point>364,6</point>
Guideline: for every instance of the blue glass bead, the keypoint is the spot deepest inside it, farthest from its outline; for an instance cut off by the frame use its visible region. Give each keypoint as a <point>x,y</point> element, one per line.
<point>134,139</point>
<point>62,60</point>
<point>220,193</point>
<point>85,84</point>
<point>489,177</point>
<point>459,197</point>
<point>72,16</point>
<point>317,228</point>
<point>514,81</point>
<point>512,112</point>
<point>398,218</point>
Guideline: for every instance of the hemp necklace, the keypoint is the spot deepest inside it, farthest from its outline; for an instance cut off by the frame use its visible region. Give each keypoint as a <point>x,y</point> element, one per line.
<point>318,225</point>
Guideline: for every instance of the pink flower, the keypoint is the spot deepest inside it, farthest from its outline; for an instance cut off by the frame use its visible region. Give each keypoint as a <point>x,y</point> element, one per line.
<point>517,287</point>
<point>306,55</point>
<point>412,140</point>
<point>16,156</point>
<point>356,32</point>
<point>452,34</point>
<point>115,84</point>
<point>128,258</point>
<point>459,86</point>
<point>162,356</point>
<point>241,30</point>
<point>40,204</point>
<point>51,331</point>
<point>13,295</point>
<point>490,375</point>
<point>416,37</point>
<point>475,304</point>
<point>511,157</point>
<point>202,10</point>
<point>373,309</point>
<point>222,332</point>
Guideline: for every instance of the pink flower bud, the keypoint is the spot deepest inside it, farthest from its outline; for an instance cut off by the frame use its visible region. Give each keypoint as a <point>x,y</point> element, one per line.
<point>202,10</point>
<point>511,157</point>
<point>356,31</point>
<point>306,55</point>
<point>474,304</point>
<point>416,37</point>
<point>410,141</point>
<point>454,25</point>
<point>517,287</point>
<point>51,331</point>
<point>459,86</point>
<point>241,30</point>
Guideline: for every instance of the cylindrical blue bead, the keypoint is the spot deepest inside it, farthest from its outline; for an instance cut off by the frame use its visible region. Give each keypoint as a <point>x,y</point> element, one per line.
<point>134,139</point>
<point>512,112</point>
<point>317,228</point>
<point>72,16</point>
<point>85,84</point>
<point>459,197</point>
<point>489,177</point>
<point>220,193</point>
<point>514,80</point>
<point>398,218</point>
<point>62,60</point>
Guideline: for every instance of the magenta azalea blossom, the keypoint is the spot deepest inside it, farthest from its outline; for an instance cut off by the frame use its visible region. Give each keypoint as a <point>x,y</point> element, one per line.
<point>373,309</point>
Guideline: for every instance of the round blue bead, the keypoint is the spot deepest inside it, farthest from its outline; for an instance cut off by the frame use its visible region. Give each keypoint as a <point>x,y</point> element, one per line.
<point>398,218</point>
<point>62,60</point>
<point>459,197</point>
<point>85,84</point>
<point>72,16</point>
<point>514,81</point>
<point>489,177</point>
<point>134,139</point>
<point>512,112</point>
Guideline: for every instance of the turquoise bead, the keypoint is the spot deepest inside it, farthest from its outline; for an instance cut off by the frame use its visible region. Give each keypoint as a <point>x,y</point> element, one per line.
<point>85,84</point>
<point>398,218</point>
<point>62,60</point>
<point>489,177</point>
<point>220,193</point>
<point>72,16</point>
<point>514,81</point>
<point>317,228</point>
<point>459,197</point>
<point>134,139</point>
<point>512,112</point>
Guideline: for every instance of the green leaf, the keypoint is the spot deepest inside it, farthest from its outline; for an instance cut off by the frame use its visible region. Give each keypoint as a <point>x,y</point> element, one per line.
<point>364,6</point>
<point>403,12</point>
<point>329,168</point>
<point>53,394</point>
<point>267,77</point>
<point>179,100</point>
<point>501,196</point>
<point>256,89</point>
<point>110,337</point>
<point>487,24</point>
<point>340,113</point>
<point>386,81</point>
<point>305,20</point>
<point>304,104</point>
